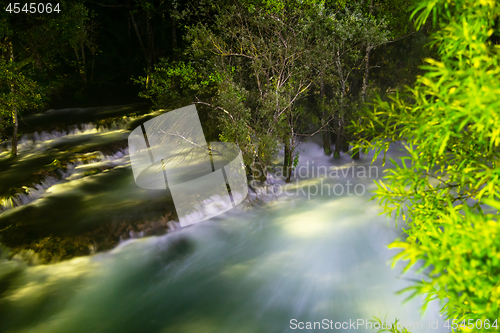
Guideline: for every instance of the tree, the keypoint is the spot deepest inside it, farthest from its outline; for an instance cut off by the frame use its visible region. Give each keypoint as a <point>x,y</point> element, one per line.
<point>259,52</point>
<point>17,91</point>
<point>268,56</point>
<point>80,31</point>
<point>147,45</point>
<point>447,188</point>
<point>392,14</point>
<point>395,14</point>
<point>150,19</point>
<point>32,47</point>
<point>348,32</point>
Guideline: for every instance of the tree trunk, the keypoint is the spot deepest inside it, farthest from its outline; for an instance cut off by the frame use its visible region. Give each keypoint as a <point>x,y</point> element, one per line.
<point>340,128</point>
<point>92,68</point>
<point>326,142</point>
<point>261,165</point>
<point>355,156</point>
<point>151,43</point>
<point>173,23</point>
<point>78,64</point>
<point>15,123</point>
<point>143,48</point>
<point>174,32</point>
<point>338,142</point>
<point>333,137</point>
<point>326,135</point>
<point>345,146</point>
<point>261,172</point>
<point>367,62</point>
<point>129,38</point>
<point>84,65</point>
<point>287,163</point>
<point>367,71</point>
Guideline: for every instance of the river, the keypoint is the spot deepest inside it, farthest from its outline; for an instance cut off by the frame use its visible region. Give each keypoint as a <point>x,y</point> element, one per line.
<point>262,267</point>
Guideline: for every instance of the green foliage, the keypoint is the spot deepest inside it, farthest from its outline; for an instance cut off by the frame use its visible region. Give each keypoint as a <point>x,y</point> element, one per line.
<point>17,92</point>
<point>27,93</point>
<point>447,188</point>
<point>35,51</point>
<point>263,52</point>
<point>396,13</point>
<point>174,83</point>
<point>399,64</point>
<point>254,62</point>
<point>345,34</point>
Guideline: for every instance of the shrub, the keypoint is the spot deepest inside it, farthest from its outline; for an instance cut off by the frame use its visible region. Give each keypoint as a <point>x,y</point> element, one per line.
<point>447,188</point>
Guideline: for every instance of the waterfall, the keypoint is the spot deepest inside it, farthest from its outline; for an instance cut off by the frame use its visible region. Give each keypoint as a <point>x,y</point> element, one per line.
<point>73,170</point>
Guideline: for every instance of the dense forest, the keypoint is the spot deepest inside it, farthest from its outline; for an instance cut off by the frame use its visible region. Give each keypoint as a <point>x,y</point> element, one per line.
<point>316,63</point>
<point>268,75</point>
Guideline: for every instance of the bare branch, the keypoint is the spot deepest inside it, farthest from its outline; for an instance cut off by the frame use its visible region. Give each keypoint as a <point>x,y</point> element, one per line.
<point>191,142</point>
<point>215,107</point>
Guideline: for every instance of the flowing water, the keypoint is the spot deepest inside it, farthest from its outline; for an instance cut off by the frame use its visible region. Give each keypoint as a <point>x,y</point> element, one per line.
<point>302,255</point>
